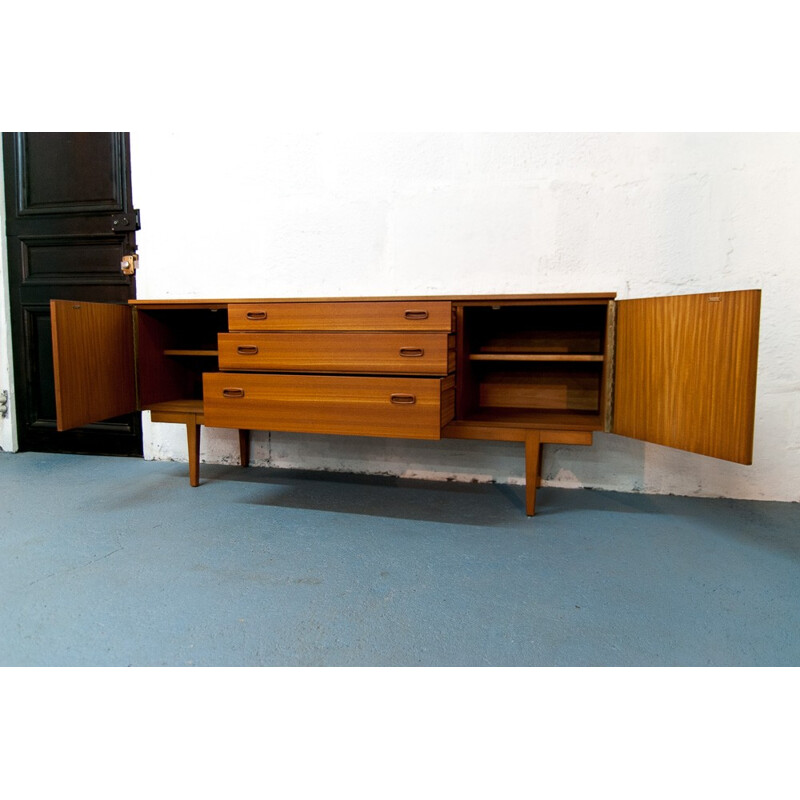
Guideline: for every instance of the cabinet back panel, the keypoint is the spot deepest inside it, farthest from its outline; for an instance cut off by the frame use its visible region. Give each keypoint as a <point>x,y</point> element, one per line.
<point>536,329</point>
<point>543,389</point>
<point>563,342</point>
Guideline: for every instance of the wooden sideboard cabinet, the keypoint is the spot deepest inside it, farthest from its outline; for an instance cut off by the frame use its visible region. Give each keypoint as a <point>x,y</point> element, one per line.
<point>535,369</point>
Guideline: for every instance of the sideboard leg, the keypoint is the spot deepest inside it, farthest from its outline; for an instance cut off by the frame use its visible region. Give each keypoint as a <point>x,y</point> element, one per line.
<point>193,438</point>
<point>244,446</point>
<point>533,462</point>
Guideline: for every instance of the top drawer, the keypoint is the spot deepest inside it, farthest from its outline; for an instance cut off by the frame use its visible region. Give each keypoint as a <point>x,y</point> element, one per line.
<point>383,315</point>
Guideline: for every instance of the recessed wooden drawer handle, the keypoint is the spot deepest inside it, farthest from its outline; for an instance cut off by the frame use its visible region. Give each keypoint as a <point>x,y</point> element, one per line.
<point>412,352</point>
<point>256,315</point>
<point>247,349</point>
<point>233,392</point>
<point>403,399</point>
<point>411,314</point>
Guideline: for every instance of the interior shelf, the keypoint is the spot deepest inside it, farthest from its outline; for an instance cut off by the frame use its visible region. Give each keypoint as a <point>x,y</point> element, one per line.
<point>533,357</point>
<point>184,405</point>
<point>209,353</point>
<point>539,418</point>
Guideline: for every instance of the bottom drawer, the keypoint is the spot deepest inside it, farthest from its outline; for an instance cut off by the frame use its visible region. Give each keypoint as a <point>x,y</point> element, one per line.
<point>407,408</point>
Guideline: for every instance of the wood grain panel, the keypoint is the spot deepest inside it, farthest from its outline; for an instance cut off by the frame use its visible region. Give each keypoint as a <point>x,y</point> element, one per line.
<point>409,353</point>
<point>685,373</point>
<point>422,315</point>
<point>349,405</point>
<point>93,362</point>
<point>535,418</point>
<point>183,406</point>
<point>462,429</point>
<point>448,401</point>
<point>544,341</point>
<point>542,389</point>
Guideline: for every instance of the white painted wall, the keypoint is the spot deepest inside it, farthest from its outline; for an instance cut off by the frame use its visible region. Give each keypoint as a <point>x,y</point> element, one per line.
<point>283,215</point>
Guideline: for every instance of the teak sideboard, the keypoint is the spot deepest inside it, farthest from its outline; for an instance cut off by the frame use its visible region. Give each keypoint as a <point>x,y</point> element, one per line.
<point>535,369</point>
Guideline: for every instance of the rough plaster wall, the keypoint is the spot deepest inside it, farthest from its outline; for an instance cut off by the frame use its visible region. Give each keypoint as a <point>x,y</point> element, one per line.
<point>392,214</point>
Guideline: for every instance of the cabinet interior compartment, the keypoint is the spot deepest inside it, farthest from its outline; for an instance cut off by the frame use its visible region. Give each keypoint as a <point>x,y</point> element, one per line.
<point>534,364</point>
<point>175,347</point>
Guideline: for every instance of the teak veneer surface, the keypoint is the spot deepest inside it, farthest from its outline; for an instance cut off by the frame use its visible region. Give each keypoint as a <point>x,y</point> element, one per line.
<point>686,372</point>
<point>484,299</point>
<point>383,315</point>
<point>350,405</point>
<point>407,353</point>
<point>182,406</point>
<point>93,361</point>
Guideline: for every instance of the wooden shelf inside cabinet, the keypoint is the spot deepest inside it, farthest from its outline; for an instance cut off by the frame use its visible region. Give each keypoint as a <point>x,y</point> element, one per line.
<point>182,406</point>
<point>560,357</point>
<point>208,353</point>
<point>535,418</point>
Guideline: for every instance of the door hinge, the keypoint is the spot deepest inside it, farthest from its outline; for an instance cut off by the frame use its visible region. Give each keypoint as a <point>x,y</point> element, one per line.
<point>4,403</point>
<point>129,264</point>
<point>126,222</point>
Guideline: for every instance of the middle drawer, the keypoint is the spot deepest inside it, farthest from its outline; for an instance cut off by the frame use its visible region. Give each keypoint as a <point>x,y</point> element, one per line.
<point>366,353</point>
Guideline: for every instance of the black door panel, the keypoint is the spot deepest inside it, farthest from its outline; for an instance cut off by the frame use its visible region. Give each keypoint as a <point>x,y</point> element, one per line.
<point>70,220</point>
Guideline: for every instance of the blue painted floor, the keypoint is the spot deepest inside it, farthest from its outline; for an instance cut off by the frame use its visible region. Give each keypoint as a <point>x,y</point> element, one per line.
<point>117,562</point>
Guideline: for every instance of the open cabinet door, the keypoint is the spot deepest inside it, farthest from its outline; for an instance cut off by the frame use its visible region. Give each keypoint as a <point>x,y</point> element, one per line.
<point>685,372</point>
<point>93,359</point>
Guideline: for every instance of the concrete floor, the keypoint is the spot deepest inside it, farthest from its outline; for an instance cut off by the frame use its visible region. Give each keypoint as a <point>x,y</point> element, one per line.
<point>117,562</point>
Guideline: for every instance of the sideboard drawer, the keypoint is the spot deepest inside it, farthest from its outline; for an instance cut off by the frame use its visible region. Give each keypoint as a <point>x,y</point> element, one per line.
<point>409,353</point>
<point>409,408</point>
<point>383,315</point>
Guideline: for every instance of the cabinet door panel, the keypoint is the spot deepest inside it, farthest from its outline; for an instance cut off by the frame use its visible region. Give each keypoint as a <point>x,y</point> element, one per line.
<point>685,372</point>
<point>93,361</point>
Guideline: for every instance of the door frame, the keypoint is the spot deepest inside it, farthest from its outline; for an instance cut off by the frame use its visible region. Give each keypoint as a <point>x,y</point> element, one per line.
<point>8,424</point>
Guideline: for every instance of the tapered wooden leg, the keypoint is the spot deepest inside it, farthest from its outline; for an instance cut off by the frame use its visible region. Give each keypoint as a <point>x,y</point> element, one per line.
<point>193,438</point>
<point>533,465</point>
<point>244,447</point>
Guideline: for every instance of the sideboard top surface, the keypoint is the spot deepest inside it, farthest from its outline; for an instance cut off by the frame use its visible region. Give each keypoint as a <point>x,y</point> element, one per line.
<point>473,298</point>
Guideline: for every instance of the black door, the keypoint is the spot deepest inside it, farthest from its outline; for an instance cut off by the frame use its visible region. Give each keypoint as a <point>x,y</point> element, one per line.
<point>70,222</point>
